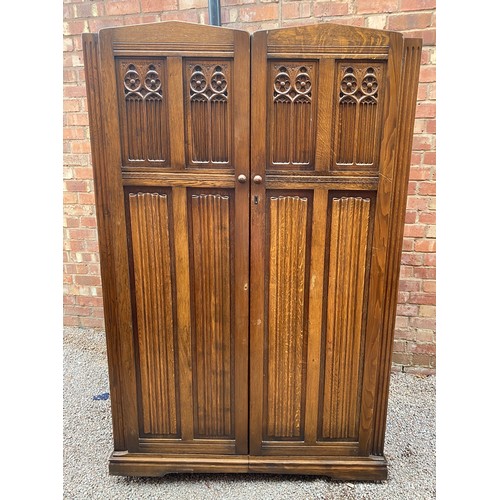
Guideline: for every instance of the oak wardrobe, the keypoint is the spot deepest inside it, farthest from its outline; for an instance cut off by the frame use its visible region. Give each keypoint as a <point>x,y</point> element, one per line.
<point>250,196</point>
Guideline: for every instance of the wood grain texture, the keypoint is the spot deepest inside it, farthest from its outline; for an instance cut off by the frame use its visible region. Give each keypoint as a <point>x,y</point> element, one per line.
<point>299,385</point>
<point>143,111</point>
<point>211,314</point>
<point>342,468</point>
<point>345,286</point>
<point>292,111</point>
<point>406,120</point>
<point>208,83</point>
<point>154,306</point>
<point>104,228</point>
<point>359,89</point>
<point>287,316</point>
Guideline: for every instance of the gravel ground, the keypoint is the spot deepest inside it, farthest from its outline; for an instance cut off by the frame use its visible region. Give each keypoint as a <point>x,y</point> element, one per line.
<point>410,445</point>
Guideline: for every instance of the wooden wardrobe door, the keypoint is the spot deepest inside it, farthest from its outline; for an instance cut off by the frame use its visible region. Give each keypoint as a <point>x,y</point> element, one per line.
<point>169,106</point>
<point>324,259</point>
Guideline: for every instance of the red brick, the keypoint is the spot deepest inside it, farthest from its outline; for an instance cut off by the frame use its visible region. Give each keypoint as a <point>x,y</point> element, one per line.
<point>419,173</point>
<point>74,91</point>
<point>70,321</point>
<point>431,126</point>
<point>421,359</point>
<point>70,198</point>
<point>260,12</point>
<point>140,19</point>
<point>86,198</point>
<point>411,217</point>
<point>89,301</point>
<point>427,218</point>
<point>122,7</point>
<point>84,173</point>
<point>427,73</point>
<point>71,105</point>
<point>425,245</point>
<point>329,9</point>
<point>401,358</point>
<point>375,6</point>
<point>73,133</point>
<point>88,221</point>
<point>417,203</point>
<point>73,27</point>
<point>290,10</point>
<point>427,35</point>
<point>412,259</point>
<point>87,280</point>
<point>422,142</point>
<point>406,272</point>
<point>411,21</point>
<point>421,96</point>
<point>76,185</point>
<point>82,234</point>
<point>76,119</point>
<point>90,322</point>
<point>407,309</point>
<point>427,188</point>
<point>425,272</point>
<point>96,24</point>
<point>190,16</point>
<point>421,348</point>
<point>429,158</point>
<point>422,298</point>
<point>417,5</point>
<point>429,286</point>
<point>407,245</point>
<point>71,222</point>
<point>426,110</point>
<point>80,147</point>
<point>403,297</point>
<point>415,230</point>
<point>429,259</point>
<point>420,371</point>
<point>93,9</point>
<point>158,5</point>
<point>409,285</point>
<point>412,188</point>
<point>350,21</point>
<point>75,268</point>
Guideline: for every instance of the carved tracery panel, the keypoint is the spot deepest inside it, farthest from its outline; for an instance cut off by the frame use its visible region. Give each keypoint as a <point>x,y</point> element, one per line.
<point>208,112</point>
<point>292,121</point>
<point>357,124</point>
<point>143,114</point>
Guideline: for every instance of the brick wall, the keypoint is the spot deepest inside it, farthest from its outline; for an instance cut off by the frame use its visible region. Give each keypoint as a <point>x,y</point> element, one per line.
<point>414,349</point>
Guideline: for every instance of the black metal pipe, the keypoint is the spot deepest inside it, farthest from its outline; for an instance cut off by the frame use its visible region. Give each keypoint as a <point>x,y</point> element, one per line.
<point>214,12</point>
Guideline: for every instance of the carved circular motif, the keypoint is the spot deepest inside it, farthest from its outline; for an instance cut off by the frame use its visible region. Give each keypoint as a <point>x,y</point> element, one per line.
<point>218,82</point>
<point>349,84</point>
<point>282,82</point>
<point>132,81</point>
<point>152,82</point>
<point>198,81</point>
<point>302,82</point>
<point>369,85</point>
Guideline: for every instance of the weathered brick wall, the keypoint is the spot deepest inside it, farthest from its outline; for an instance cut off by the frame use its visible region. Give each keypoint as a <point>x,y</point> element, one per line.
<point>415,327</point>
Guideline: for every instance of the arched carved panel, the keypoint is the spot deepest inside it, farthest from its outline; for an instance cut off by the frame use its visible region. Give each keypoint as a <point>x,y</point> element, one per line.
<point>143,113</point>
<point>357,127</point>
<point>208,112</point>
<point>292,114</point>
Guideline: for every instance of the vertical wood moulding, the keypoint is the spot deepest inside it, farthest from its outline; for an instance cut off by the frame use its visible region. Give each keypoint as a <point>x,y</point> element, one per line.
<point>208,91</point>
<point>293,95</point>
<point>345,283</point>
<point>406,120</point>
<point>154,300</point>
<point>142,91</point>
<point>288,225</point>
<point>211,315</point>
<point>101,182</point>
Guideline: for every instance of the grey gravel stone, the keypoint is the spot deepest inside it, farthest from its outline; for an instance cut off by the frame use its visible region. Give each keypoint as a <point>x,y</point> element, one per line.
<point>410,445</point>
